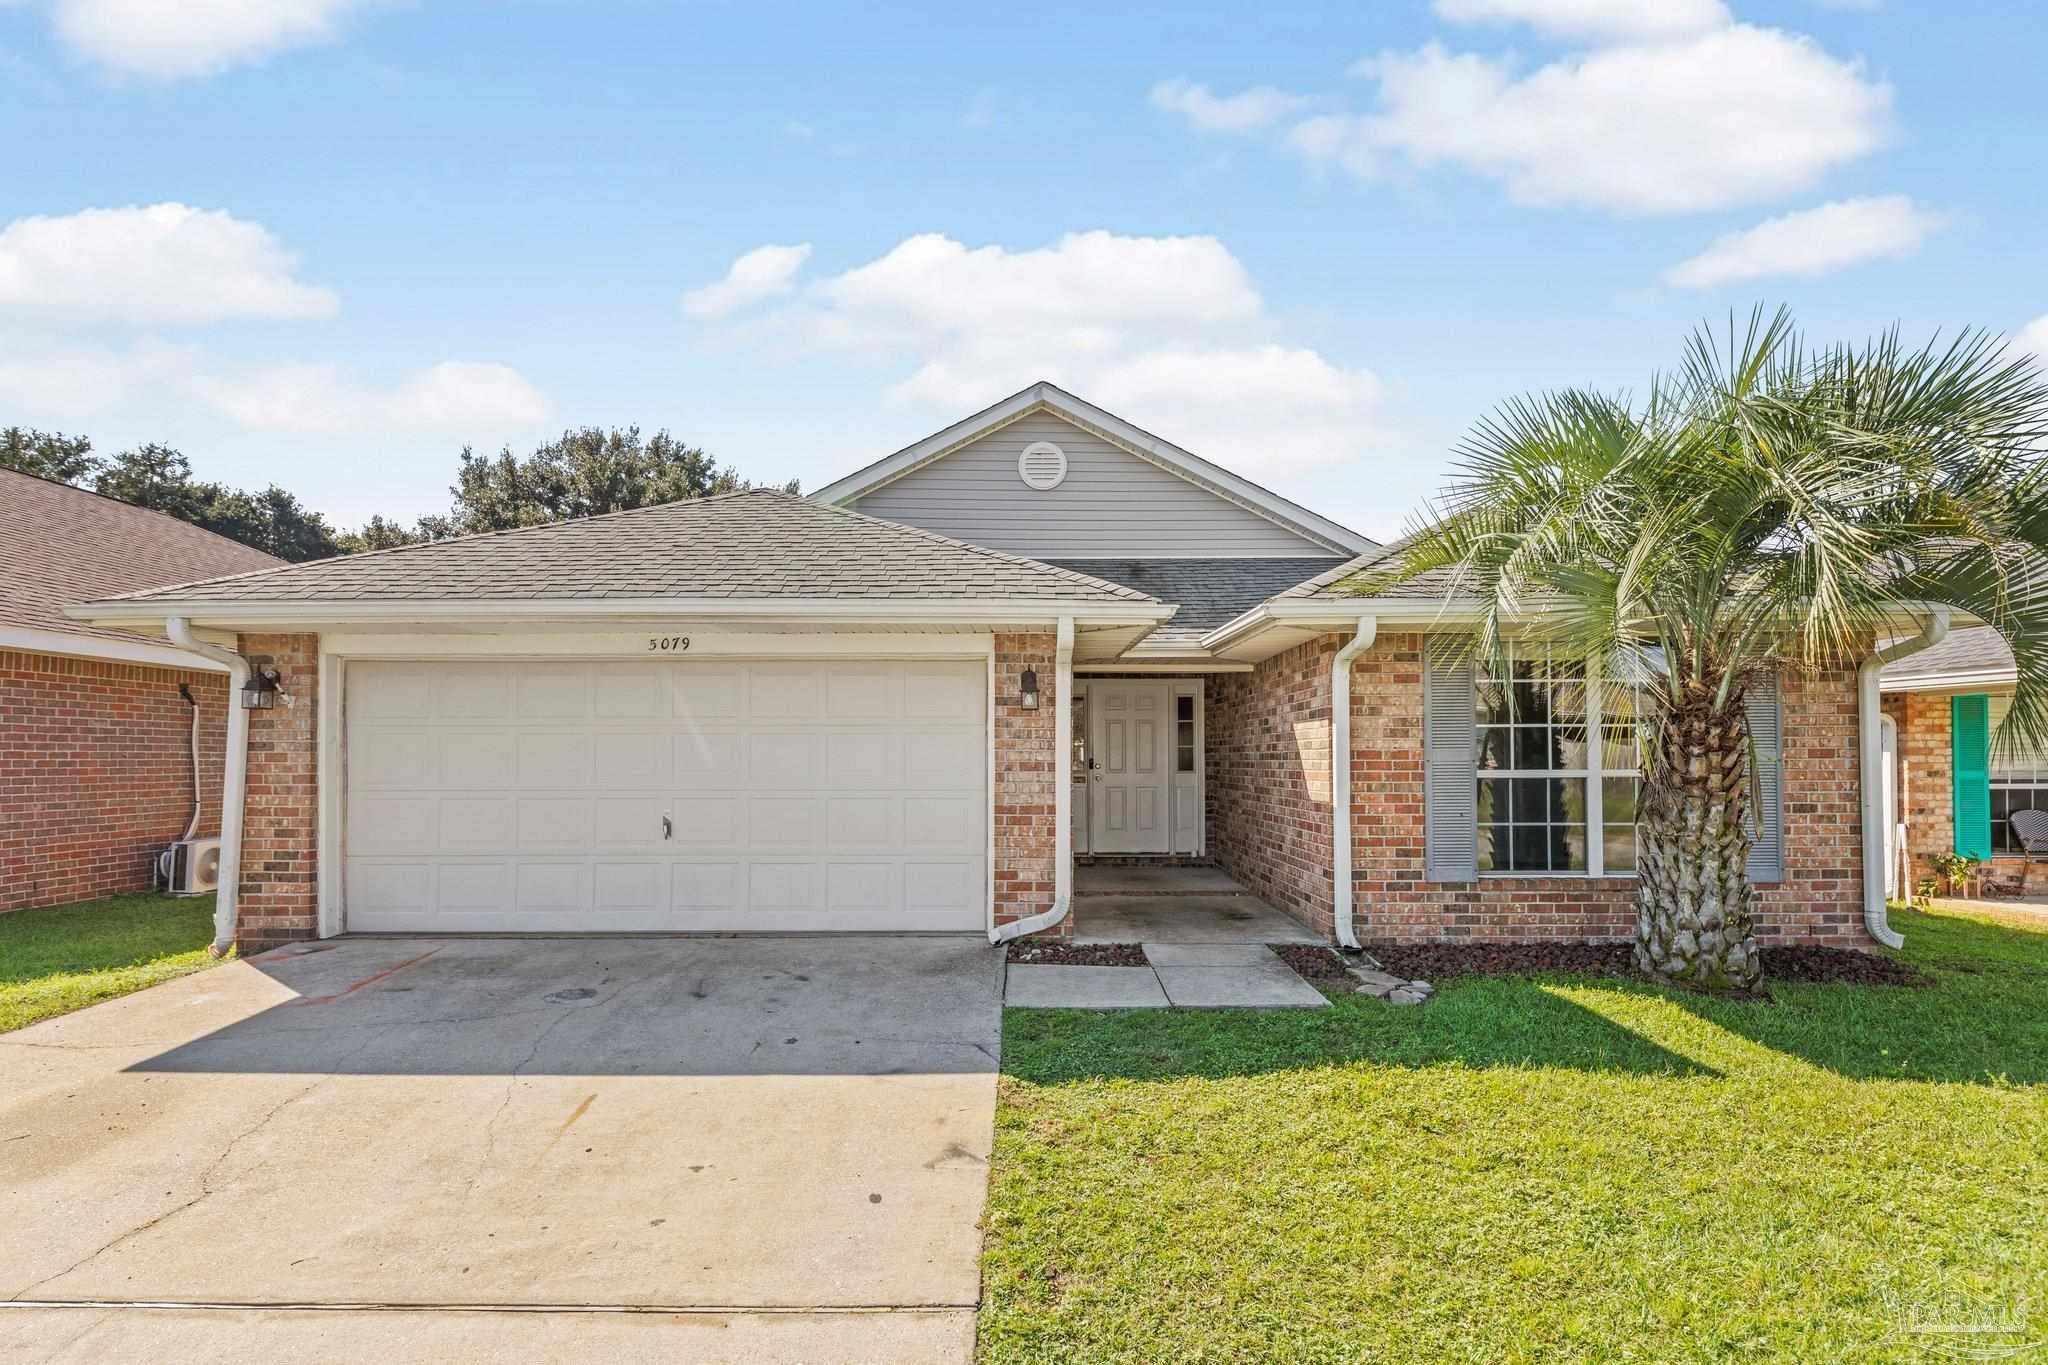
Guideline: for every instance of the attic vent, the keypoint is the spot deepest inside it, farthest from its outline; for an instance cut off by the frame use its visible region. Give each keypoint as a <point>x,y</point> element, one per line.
<point>1042,465</point>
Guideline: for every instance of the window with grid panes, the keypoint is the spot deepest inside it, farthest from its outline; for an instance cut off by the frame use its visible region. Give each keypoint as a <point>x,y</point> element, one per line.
<point>1541,786</point>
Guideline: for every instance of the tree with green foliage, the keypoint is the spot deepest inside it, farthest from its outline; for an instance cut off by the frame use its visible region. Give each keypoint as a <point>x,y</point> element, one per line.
<point>274,521</point>
<point>47,454</point>
<point>1769,509</point>
<point>587,472</point>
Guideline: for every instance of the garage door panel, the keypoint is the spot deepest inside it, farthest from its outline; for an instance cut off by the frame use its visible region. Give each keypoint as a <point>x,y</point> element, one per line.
<point>554,691</point>
<point>864,758</point>
<point>863,822</point>
<point>705,693</point>
<point>709,759</point>
<point>477,759</point>
<point>474,824</point>
<point>801,795</point>
<point>948,760</point>
<point>785,692</point>
<point>393,824</point>
<point>548,823</point>
<point>706,822</point>
<point>630,692</point>
<point>470,692</point>
<point>792,759</point>
<point>784,821</point>
<point>554,759</point>
<point>863,692</point>
<point>948,692</point>
<point>630,759</point>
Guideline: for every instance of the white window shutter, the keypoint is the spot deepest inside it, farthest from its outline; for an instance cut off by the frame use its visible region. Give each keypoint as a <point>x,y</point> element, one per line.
<point>1450,764</point>
<point>1766,818</point>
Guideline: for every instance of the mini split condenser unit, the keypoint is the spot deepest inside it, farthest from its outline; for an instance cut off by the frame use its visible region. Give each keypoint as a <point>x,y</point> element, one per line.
<point>190,867</point>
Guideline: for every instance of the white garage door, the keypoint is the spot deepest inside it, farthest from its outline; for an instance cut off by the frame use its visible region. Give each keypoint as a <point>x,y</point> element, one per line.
<point>707,795</point>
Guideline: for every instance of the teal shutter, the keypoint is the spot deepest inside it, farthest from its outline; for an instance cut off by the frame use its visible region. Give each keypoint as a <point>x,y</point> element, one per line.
<point>1970,734</point>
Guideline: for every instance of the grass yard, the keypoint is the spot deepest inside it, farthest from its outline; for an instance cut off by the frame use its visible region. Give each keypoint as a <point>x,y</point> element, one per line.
<point>69,956</point>
<point>1534,1170</point>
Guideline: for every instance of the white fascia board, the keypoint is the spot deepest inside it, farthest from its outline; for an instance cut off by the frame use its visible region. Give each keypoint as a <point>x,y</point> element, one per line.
<point>305,613</point>
<point>1962,680</point>
<point>97,647</point>
<point>1139,442</point>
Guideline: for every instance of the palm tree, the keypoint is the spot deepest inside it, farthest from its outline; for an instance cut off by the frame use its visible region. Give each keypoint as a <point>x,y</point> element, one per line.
<point>1768,509</point>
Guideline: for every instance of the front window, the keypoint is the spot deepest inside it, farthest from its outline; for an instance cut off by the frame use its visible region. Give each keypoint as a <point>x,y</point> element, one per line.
<point>1541,787</point>
<point>2017,783</point>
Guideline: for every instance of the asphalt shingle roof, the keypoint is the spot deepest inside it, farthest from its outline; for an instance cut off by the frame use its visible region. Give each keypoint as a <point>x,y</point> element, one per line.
<point>1430,586</point>
<point>1209,592</point>
<point>759,543</point>
<point>1973,650</point>
<point>60,545</point>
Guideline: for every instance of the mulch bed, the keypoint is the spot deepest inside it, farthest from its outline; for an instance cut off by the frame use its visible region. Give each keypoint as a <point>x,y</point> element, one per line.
<point>1782,962</point>
<point>1312,962</point>
<point>1053,954</point>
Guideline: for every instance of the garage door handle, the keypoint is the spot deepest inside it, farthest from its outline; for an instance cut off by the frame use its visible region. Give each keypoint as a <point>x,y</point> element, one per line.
<point>668,828</point>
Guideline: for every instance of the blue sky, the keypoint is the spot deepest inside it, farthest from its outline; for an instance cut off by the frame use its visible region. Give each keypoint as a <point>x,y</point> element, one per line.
<point>327,242</point>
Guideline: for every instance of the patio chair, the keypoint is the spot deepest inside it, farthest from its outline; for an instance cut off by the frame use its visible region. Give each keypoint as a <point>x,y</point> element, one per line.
<point>2030,827</point>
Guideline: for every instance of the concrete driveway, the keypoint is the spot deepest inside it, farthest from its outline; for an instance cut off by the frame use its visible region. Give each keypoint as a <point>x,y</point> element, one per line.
<point>770,1148</point>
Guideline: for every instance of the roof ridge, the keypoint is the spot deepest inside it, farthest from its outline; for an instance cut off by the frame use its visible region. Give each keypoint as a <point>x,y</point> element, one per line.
<point>148,511</point>
<point>361,555</point>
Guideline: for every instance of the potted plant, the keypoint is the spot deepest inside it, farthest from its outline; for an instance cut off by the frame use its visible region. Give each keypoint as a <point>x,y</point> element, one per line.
<point>1959,870</point>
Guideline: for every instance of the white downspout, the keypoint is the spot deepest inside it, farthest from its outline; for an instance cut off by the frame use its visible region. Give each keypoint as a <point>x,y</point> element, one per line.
<point>234,783</point>
<point>1340,774</point>
<point>1062,794</point>
<point>1870,755</point>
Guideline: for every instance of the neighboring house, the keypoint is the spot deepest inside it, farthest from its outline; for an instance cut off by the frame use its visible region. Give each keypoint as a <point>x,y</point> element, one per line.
<point>912,700</point>
<point>1949,789</point>
<point>96,772</point>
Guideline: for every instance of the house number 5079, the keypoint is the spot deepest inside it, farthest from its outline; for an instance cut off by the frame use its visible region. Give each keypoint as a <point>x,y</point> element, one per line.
<point>667,644</point>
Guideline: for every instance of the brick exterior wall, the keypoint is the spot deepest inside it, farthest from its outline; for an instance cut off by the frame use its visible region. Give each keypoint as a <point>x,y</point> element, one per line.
<point>281,824</point>
<point>1270,792</point>
<point>1927,796</point>
<point>1027,769</point>
<point>1268,779</point>
<point>96,772</point>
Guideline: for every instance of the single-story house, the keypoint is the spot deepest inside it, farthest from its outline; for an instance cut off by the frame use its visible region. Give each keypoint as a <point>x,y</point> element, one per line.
<point>98,724</point>
<point>912,700</point>
<point>1950,788</point>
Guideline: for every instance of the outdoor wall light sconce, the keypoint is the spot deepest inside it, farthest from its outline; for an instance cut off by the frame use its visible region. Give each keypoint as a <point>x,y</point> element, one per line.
<point>261,692</point>
<point>1030,696</point>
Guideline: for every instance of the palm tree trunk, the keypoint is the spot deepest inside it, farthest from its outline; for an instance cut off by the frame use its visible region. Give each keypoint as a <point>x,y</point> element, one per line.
<point>1694,922</point>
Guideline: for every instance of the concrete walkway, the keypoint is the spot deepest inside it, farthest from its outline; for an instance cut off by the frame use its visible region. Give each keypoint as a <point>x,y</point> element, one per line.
<point>745,1149</point>
<point>1184,975</point>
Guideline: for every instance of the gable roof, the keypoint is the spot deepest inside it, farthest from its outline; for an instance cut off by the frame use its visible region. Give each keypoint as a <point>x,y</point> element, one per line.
<point>60,544</point>
<point>1048,397</point>
<point>1971,657</point>
<point>1209,592</point>
<point>754,545</point>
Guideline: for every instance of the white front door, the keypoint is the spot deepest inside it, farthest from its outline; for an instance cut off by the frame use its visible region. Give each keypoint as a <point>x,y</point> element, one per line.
<point>555,797</point>
<point>1127,744</point>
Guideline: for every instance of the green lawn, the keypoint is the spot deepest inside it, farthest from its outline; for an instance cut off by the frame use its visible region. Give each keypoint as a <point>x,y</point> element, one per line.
<point>69,956</point>
<point>1532,1170</point>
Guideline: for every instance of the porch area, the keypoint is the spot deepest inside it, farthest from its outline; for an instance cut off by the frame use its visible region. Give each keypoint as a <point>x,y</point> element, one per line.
<point>1154,903</point>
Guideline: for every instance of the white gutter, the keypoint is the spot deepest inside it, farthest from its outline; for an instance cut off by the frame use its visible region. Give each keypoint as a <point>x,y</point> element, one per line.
<point>1062,795</point>
<point>624,611</point>
<point>234,783</point>
<point>1870,764</point>
<point>1340,775</point>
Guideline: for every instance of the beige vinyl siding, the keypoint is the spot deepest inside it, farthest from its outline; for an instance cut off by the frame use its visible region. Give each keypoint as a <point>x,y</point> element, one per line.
<point>1111,504</point>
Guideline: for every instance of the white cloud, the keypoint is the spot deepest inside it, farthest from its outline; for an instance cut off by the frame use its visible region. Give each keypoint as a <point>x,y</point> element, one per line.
<point>1168,331</point>
<point>1811,242</point>
<point>1720,118</point>
<point>1240,113</point>
<point>173,38</point>
<point>2033,338</point>
<point>762,273</point>
<point>455,397</point>
<point>161,264</point>
<point>1594,18</point>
